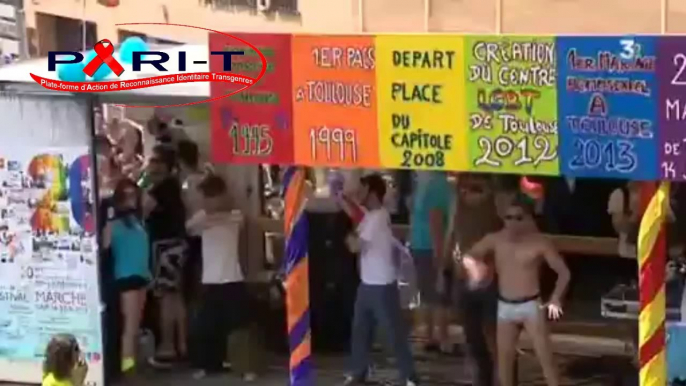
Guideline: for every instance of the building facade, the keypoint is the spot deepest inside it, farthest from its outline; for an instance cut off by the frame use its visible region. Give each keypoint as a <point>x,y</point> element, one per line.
<point>71,24</point>
<point>59,24</point>
<point>12,37</point>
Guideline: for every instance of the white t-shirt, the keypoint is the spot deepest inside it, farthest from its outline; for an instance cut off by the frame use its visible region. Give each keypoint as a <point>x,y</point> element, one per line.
<point>377,266</point>
<point>220,233</point>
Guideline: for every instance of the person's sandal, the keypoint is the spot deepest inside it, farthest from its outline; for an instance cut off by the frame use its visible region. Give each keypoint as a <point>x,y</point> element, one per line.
<point>161,362</point>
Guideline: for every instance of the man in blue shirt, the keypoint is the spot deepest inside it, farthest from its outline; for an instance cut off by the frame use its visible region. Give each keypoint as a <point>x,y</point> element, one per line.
<point>429,222</point>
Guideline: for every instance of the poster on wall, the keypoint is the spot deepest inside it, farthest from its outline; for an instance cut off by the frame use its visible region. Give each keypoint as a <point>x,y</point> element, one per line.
<point>254,125</point>
<point>511,98</point>
<point>607,93</point>
<point>334,101</point>
<point>48,253</point>
<point>48,248</point>
<point>421,102</point>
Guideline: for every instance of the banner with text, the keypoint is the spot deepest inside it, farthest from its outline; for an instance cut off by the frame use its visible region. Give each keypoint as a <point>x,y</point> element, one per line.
<point>254,125</point>
<point>602,107</point>
<point>672,109</point>
<point>421,92</point>
<point>607,90</point>
<point>334,97</point>
<point>512,104</point>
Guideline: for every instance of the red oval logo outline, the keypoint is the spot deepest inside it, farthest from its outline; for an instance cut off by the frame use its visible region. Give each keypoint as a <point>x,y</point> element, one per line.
<point>262,59</point>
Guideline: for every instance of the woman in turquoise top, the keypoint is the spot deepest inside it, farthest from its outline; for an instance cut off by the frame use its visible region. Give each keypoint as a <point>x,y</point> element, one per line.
<point>128,240</point>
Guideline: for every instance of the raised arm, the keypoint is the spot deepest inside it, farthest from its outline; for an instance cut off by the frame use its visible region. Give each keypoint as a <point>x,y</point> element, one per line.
<point>149,203</point>
<point>352,209</point>
<point>473,262</point>
<point>482,248</point>
<point>352,241</point>
<point>375,225</point>
<point>196,223</point>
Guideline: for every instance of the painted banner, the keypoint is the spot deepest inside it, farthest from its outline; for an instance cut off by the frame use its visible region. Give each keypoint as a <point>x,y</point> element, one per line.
<point>48,254</point>
<point>511,99</point>
<point>607,92</point>
<point>421,92</point>
<point>672,109</point>
<point>334,101</point>
<point>255,125</point>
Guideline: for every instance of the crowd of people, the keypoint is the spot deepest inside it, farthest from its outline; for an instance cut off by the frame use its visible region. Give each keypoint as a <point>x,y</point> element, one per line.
<point>172,238</point>
<point>170,251</point>
<point>480,243</point>
<point>170,263</point>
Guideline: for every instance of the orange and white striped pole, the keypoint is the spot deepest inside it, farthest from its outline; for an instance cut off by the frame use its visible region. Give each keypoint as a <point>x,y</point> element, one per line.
<point>652,253</point>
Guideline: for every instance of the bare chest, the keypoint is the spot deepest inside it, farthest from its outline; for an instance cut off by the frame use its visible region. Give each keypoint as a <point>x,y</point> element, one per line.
<point>516,256</point>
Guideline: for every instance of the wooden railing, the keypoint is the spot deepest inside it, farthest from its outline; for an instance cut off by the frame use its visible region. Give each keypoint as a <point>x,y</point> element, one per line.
<point>571,245</point>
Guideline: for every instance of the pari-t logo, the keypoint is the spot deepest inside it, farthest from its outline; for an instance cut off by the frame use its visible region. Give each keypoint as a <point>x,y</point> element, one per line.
<point>104,50</point>
<point>77,72</point>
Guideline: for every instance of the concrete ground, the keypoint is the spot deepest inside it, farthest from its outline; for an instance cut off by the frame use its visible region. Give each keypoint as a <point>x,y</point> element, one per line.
<point>434,370</point>
<point>583,360</point>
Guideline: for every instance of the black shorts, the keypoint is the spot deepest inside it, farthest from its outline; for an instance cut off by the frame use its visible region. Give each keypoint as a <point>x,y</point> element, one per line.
<point>131,283</point>
<point>193,270</point>
<point>169,257</point>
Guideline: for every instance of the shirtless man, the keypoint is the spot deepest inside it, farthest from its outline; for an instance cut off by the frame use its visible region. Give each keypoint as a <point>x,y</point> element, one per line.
<point>519,249</point>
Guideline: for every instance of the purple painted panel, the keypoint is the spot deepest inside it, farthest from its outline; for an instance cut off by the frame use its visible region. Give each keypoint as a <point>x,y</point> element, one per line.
<point>671,69</point>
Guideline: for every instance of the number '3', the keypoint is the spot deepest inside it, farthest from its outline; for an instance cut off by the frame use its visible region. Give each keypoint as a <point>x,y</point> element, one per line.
<point>626,157</point>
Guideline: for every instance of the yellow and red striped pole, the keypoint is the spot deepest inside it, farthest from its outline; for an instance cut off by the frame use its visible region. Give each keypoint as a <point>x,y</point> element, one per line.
<point>652,253</point>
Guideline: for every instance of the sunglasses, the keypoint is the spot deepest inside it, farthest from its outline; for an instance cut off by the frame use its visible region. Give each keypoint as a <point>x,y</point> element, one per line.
<point>510,217</point>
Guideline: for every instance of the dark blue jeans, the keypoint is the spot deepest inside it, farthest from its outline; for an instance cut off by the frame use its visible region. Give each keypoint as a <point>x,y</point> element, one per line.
<point>380,305</point>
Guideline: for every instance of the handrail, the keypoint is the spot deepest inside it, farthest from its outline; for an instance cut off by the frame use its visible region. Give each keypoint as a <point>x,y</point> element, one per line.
<point>567,244</point>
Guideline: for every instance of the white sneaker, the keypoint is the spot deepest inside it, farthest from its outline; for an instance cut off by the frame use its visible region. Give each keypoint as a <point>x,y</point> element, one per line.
<point>200,374</point>
<point>249,377</point>
<point>411,383</point>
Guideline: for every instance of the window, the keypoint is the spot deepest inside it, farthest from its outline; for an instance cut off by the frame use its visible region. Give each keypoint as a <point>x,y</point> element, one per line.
<point>265,6</point>
<point>57,33</point>
<point>124,34</point>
